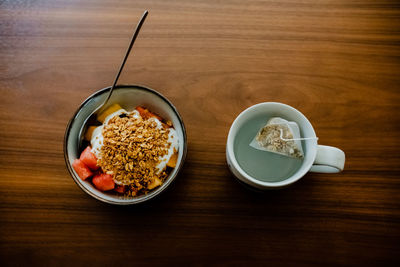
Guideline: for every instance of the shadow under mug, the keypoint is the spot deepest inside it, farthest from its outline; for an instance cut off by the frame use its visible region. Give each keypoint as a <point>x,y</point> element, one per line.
<point>317,158</point>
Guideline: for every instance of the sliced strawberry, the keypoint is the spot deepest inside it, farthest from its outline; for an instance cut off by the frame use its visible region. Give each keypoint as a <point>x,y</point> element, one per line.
<point>89,158</point>
<point>120,189</point>
<point>103,182</point>
<point>146,114</point>
<point>142,112</point>
<point>81,169</point>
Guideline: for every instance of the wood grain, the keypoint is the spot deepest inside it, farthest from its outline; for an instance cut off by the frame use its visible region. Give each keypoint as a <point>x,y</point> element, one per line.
<point>336,61</point>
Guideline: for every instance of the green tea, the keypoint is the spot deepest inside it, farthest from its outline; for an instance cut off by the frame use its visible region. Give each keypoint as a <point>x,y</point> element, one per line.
<point>262,165</point>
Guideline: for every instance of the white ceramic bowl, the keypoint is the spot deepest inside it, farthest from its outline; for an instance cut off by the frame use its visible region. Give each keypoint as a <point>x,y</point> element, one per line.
<point>129,97</point>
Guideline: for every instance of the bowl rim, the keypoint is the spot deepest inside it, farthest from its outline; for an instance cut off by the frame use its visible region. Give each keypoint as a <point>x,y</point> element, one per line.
<point>73,118</point>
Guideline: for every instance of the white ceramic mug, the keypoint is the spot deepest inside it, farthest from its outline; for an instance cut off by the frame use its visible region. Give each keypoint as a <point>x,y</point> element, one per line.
<point>317,158</point>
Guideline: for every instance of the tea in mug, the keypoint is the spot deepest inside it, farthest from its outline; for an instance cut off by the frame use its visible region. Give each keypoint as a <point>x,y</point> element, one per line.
<point>262,165</point>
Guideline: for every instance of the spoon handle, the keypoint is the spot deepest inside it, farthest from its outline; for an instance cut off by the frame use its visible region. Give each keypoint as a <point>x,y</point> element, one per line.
<point>134,36</point>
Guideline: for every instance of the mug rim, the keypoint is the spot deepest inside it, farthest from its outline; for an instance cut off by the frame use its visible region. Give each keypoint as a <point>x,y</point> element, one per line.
<point>133,200</point>
<point>248,178</point>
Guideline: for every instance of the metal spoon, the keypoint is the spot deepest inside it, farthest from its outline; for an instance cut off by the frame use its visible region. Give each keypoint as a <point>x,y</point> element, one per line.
<point>93,116</point>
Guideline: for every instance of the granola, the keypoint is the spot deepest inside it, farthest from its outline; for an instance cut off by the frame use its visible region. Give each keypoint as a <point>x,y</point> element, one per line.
<point>132,149</point>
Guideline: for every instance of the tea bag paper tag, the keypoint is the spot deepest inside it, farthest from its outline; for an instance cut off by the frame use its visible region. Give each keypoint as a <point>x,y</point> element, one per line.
<point>279,136</point>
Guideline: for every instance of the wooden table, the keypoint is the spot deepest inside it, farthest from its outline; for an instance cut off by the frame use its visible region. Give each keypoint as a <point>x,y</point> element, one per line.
<point>335,61</point>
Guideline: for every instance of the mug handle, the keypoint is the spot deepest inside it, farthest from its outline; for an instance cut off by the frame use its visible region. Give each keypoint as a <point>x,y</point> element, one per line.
<point>329,159</point>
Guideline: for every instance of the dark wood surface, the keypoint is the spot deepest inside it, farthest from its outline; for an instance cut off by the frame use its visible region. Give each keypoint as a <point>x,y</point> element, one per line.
<point>336,61</point>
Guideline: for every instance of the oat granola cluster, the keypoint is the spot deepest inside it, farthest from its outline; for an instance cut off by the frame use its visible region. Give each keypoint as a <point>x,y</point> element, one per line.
<point>131,150</point>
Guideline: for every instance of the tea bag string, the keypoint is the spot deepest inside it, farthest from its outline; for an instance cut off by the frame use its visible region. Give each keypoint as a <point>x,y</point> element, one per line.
<point>293,139</point>
<point>296,139</point>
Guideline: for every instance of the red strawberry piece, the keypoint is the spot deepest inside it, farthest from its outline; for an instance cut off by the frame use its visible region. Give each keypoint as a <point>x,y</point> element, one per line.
<point>146,114</point>
<point>81,169</point>
<point>89,158</point>
<point>103,182</point>
<point>120,189</point>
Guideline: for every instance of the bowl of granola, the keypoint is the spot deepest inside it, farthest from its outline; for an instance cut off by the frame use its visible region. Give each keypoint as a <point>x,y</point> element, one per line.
<point>133,150</point>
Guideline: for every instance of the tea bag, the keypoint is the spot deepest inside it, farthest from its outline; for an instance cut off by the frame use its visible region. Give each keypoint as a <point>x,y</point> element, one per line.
<point>280,136</point>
